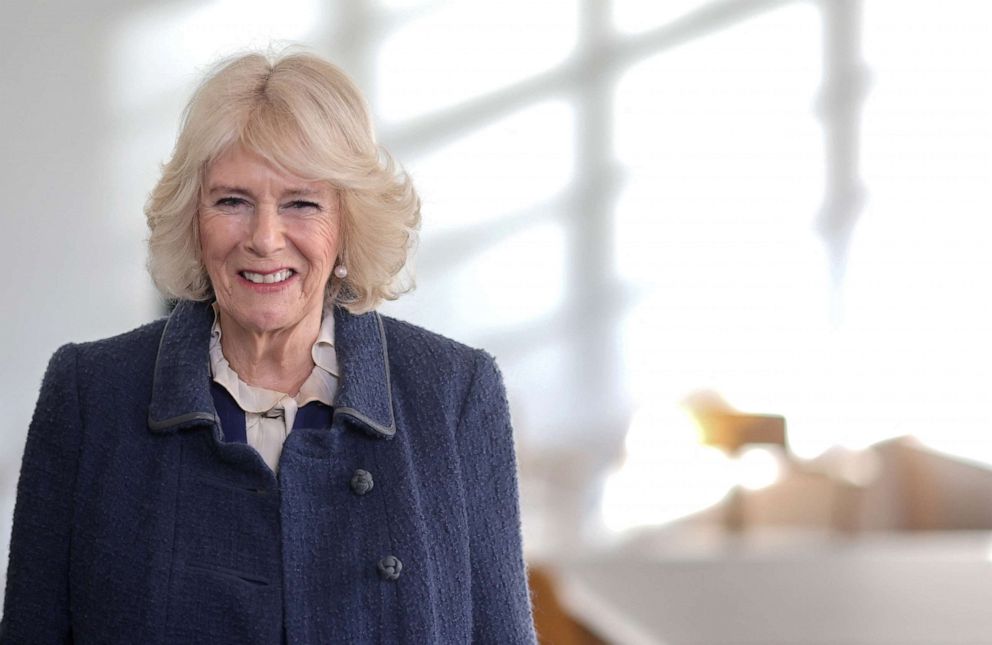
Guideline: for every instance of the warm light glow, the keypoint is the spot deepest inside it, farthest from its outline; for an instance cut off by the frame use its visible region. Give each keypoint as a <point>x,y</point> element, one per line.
<point>666,472</point>
<point>758,467</point>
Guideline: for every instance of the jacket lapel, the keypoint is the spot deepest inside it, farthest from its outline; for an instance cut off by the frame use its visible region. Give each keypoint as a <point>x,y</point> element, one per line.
<point>364,392</point>
<point>181,386</point>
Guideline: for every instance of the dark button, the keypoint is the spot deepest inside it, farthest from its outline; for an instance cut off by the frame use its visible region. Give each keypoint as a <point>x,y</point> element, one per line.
<point>390,567</point>
<point>361,482</point>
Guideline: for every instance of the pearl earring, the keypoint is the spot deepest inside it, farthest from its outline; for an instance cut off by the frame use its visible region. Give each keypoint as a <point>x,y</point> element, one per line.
<point>341,271</point>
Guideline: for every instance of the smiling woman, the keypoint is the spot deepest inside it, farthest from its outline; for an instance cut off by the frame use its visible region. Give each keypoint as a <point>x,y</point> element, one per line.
<point>275,462</point>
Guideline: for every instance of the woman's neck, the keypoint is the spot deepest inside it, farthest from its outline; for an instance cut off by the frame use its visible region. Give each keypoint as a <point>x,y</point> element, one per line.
<point>277,360</point>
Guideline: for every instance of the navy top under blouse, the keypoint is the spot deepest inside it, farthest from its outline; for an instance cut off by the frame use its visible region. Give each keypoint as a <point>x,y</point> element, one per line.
<point>232,418</point>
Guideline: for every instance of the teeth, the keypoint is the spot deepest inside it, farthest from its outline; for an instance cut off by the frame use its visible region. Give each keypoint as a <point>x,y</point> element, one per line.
<point>267,278</point>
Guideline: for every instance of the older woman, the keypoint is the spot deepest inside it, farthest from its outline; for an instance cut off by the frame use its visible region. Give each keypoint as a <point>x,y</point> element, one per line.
<point>275,462</point>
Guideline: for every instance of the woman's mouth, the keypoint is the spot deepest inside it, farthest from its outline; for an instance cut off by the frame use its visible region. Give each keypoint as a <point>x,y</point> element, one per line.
<point>267,278</point>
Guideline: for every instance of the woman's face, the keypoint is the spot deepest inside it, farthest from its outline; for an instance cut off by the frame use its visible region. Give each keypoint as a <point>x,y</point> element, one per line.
<point>268,241</point>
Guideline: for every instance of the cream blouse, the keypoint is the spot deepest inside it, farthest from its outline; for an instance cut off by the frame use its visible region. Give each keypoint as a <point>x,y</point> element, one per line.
<point>269,415</point>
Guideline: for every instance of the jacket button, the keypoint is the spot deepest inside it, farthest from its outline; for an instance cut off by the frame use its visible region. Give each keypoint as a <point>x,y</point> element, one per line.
<point>361,482</point>
<point>390,567</point>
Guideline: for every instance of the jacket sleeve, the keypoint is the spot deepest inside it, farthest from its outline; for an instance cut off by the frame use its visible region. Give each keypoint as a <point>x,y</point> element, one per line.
<point>500,599</point>
<point>36,604</point>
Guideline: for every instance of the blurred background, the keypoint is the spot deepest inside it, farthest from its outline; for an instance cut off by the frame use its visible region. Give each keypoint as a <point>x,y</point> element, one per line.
<point>731,255</point>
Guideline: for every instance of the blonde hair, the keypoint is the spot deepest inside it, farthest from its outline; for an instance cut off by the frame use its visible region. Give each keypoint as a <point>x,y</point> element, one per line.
<point>306,117</point>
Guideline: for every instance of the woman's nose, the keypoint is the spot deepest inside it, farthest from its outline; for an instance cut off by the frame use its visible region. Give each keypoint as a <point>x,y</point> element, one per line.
<point>266,232</point>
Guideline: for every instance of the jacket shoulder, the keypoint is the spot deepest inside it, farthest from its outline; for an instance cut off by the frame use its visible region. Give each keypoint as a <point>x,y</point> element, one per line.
<point>410,343</point>
<point>132,349</point>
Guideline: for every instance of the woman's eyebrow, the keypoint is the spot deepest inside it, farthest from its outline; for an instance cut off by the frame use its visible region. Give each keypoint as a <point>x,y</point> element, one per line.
<point>302,192</point>
<point>223,188</point>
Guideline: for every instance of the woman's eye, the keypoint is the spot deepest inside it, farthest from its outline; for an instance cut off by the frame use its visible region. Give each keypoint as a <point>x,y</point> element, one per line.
<point>230,202</point>
<point>300,204</point>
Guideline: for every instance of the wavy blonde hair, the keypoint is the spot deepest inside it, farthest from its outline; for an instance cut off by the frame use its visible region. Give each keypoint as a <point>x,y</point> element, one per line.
<point>306,117</point>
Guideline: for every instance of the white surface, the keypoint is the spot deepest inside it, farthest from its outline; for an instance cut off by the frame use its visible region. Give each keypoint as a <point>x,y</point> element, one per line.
<point>884,589</point>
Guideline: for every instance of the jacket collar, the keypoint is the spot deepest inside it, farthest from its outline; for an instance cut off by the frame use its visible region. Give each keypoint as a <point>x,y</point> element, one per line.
<point>181,386</point>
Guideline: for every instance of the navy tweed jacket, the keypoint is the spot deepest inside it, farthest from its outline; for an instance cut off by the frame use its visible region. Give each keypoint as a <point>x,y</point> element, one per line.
<point>136,523</point>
